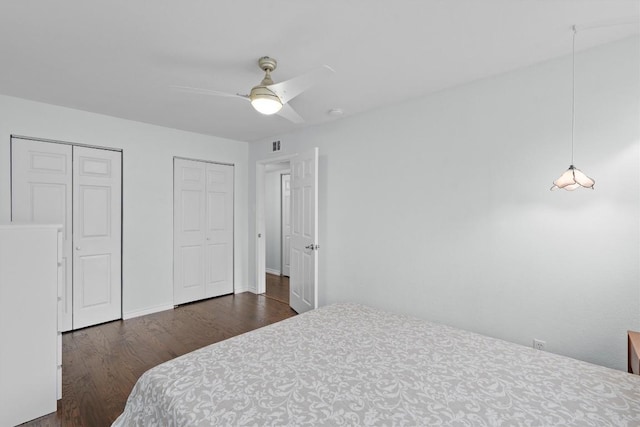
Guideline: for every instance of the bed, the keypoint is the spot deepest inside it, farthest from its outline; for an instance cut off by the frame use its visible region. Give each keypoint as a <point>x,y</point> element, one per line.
<point>348,364</point>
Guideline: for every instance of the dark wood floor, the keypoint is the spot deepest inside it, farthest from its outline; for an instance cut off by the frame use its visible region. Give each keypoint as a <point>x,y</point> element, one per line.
<point>278,288</point>
<point>102,363</point>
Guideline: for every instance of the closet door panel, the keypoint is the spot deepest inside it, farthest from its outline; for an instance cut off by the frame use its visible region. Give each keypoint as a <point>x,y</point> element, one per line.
<point>219,232</point>
<point>189,231</point>
<point>41,192</point>
<point>97,236</point>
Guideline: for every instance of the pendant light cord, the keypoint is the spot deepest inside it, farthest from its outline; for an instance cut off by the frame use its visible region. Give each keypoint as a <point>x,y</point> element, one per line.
<point>573,90</point>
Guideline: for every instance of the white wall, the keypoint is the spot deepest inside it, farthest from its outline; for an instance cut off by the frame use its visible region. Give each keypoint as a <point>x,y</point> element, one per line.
<point>148,187</point>
<point>440,207</point>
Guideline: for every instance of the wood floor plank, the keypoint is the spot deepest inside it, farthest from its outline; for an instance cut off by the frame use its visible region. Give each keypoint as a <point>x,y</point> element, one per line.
<point>101,364</point>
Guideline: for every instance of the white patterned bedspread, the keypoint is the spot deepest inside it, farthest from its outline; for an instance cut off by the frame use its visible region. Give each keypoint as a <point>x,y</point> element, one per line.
<point>348,364</point>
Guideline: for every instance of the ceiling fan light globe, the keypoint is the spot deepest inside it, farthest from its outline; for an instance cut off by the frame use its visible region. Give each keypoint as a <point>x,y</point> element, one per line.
<point>265,101</point>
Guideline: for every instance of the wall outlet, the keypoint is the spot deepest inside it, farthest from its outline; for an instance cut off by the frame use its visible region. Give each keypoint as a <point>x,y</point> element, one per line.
<point>538,344</point>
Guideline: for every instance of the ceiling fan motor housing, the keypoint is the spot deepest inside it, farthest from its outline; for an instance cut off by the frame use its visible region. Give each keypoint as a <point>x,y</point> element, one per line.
<point>267,64</point>
<point>263,92</point>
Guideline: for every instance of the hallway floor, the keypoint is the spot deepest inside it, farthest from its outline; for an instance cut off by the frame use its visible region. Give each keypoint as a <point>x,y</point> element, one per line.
<point>277,288</point>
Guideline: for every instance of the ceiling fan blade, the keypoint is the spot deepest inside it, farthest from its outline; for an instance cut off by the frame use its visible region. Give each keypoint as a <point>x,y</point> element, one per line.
<point>208,92</point>
<point>289,89</point>
<point>290,114</point>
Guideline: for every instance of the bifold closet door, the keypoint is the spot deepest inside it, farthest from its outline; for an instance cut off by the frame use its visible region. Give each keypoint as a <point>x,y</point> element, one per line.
<point>80,188</point>
<point>97,195</point>
<point>203,230</point>
<point>41,192</point>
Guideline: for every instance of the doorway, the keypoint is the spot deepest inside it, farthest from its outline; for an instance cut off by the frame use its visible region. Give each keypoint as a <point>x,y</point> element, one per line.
<point>303,281</point>
<point>277,230</point>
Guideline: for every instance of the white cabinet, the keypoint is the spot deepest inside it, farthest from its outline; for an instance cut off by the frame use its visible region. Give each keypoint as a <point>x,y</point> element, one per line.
<point>30,345</point>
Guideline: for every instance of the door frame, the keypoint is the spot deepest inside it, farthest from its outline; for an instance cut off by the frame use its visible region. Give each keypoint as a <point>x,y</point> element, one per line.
<point>260,241</point>
<point>78,144</point>
<point>57,141</point>
<point>233,219</point>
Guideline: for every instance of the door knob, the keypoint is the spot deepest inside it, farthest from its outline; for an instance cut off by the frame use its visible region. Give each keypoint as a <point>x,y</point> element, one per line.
<point>312,247</point>
<point>77,248</point>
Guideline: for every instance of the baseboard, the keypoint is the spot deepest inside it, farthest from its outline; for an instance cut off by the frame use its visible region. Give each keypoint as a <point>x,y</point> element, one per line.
<point>239,290</point>
<point>151,310</point>
<point>272,271</point>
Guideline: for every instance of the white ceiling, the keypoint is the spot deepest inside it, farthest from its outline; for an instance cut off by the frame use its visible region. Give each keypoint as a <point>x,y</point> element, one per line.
<point>119,57</point>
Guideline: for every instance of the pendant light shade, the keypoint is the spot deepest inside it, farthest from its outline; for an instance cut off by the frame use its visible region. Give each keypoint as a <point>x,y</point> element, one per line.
<point>573,178</point>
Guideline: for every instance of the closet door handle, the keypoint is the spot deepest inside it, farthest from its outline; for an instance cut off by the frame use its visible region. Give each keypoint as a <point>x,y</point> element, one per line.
<point>77,248</point>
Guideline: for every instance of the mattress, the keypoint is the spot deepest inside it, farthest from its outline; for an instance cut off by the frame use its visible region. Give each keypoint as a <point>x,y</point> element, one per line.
<point>349,364</point>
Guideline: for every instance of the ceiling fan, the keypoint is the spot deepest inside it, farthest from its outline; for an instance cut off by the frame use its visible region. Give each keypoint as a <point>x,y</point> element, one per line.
<point>273,98</point>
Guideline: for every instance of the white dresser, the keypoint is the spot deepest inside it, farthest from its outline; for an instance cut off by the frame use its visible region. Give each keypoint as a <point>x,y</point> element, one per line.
<point>30,344</point>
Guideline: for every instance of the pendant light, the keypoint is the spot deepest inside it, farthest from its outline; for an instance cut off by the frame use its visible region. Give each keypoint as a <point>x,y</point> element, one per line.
<point>573,177</point>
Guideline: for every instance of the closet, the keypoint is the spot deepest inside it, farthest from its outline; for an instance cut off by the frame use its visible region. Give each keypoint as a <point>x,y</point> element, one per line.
<point>81,188</point>
<point>203,230</point>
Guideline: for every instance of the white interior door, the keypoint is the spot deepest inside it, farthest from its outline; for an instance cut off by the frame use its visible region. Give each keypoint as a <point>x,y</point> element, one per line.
<point>188,231</point>
<point>41,192</point>
<point>303,291</point>
<point>219,230</point>
<point>203,230</point>
<point>286,224</point>
<point>97,223</point>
